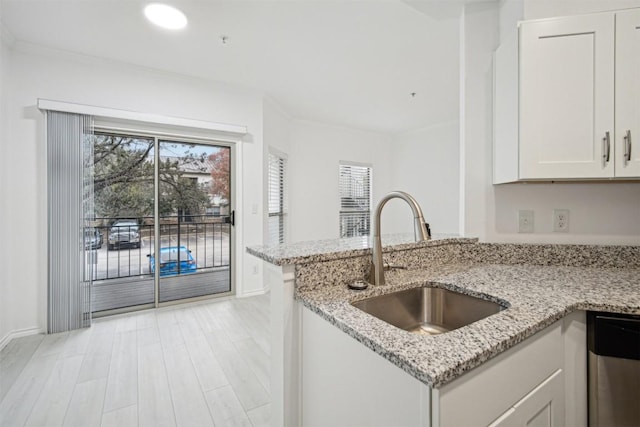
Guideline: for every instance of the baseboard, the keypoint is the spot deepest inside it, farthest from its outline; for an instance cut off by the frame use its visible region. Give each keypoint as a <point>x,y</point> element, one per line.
<point>252,293</point>
<point>18,334</point>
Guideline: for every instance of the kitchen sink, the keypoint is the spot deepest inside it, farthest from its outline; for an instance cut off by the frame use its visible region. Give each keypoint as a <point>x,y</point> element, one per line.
<point>427,310</point>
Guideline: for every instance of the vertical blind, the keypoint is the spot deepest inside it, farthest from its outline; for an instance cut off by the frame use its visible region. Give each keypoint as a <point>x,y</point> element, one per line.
<point>70,209</point>
<point>276,197</point>
<point>355,200</point>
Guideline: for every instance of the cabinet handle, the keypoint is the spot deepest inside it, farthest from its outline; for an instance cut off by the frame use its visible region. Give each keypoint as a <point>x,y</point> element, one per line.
<point>627,147</point>
<point>606,143</point>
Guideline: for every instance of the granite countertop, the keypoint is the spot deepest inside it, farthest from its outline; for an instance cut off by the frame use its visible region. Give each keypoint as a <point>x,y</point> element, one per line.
<point>537,296</point>
<point>332,249</point>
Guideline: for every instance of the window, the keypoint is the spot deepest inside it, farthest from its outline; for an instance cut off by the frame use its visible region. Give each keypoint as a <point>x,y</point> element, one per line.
<point>276,198</point>
<point>355,200</point>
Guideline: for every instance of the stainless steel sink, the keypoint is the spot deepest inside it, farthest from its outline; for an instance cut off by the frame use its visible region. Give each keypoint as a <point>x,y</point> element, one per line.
<point>428,311</point>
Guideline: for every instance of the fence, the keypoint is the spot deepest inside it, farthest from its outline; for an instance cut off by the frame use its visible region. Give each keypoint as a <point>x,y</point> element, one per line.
<point>119,248</point>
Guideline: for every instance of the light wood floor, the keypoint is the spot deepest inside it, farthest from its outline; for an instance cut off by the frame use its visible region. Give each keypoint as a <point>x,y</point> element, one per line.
<point>191,365</point>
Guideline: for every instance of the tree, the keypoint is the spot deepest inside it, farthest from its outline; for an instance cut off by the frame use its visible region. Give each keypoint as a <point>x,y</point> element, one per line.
<point>220,172</point>
<point>123,170</point>
<point>179,194</point>
<point>122,176</point>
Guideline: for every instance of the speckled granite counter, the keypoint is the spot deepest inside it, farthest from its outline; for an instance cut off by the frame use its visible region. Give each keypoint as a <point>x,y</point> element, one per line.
<point>537,296</point>
<point>540,284</point>
<point>332,249</point>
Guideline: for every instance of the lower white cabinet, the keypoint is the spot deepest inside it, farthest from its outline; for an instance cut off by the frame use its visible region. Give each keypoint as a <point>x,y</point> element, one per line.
<point>494,387</point>
<point>343,383</point>
<point>542,407</point>
<point>539,382</point>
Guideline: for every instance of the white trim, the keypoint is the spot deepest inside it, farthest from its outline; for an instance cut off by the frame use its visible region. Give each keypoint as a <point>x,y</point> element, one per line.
<point>19,334</point>
<point>67,107</point>
<point>238,228</point>
<point>462,126</point>
<point>357,164</point>
<point>253,293</point>
<point>276,152</point>
<point>192,135</point>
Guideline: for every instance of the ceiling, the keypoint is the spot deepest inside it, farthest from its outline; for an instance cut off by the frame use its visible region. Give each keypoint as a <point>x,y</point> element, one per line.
<point>348,62</point>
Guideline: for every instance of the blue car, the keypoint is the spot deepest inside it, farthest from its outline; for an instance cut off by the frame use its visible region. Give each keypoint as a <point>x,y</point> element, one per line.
<point>169,261</point>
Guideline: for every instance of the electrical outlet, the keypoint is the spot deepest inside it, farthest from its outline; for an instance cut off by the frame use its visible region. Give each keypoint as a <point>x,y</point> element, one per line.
<point>561,220</point>
<point>525,221</point>
<point>255,269</point>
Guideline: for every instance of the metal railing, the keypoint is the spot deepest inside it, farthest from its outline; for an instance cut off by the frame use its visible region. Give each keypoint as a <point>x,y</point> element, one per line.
<point>114,252</point>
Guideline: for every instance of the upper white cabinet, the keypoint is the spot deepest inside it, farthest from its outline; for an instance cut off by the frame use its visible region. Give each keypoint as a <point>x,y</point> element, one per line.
<point>627,110</point>
<point>567,99</point>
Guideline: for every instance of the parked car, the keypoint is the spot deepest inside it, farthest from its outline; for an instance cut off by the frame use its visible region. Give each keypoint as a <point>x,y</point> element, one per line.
<point>92,238</point>
<point>169,258</point>
<point>124,232</point>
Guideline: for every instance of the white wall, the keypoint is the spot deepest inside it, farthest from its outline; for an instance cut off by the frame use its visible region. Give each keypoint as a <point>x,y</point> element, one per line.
<point>425,163</point>
<point>479,36</point>
<point>316,150</point>
<point>7,294</point>
<point>510,12</point>
<point>35,73</point>
<point>422,162</point>
<point>276,134</point>
<point>601,213</point>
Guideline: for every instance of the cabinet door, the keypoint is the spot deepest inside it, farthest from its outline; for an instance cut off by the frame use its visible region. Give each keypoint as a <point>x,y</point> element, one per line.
<point>543,407</point>
<point>628,93</point>
<point>567,97</point>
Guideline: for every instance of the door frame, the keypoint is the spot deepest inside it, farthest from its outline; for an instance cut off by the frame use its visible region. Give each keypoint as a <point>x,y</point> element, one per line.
<point>190,136</point>
<point>156,226</point>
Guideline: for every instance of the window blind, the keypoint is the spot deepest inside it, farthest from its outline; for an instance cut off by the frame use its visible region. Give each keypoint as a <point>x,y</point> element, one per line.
<point>70,211</point>
<point>355,200</point>
<point>276,197</point>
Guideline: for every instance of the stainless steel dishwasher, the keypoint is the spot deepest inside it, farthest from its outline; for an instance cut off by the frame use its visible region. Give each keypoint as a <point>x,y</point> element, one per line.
<point>613,341</point>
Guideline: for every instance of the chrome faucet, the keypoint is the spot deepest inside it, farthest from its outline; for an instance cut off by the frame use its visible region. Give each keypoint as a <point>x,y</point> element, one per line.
<point>376,274</point>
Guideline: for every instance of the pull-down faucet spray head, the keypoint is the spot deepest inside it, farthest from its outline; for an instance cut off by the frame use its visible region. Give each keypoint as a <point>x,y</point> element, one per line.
<point>376,274</point>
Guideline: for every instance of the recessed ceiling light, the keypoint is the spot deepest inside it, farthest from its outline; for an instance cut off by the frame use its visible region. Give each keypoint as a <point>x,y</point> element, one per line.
<point>165,16</point>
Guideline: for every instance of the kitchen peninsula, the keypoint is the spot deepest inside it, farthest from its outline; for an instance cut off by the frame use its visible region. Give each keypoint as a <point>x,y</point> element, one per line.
<point>497,367</point>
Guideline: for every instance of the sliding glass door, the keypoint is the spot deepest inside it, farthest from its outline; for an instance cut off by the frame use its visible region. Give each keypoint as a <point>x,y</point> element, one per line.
<point>121,235</point>
<point>150,190</point>
<point>194,214</point>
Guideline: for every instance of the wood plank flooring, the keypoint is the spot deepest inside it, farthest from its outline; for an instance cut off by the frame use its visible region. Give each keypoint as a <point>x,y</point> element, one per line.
<point>204,364</point>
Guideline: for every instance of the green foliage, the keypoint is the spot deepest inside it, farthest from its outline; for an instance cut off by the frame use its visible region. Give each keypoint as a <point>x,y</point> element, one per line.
<point>124,184</point>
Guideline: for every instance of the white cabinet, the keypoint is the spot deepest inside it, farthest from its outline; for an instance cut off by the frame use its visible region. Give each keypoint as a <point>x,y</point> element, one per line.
<point>627,118</point>
<point>542,407</point>
<point>538,382</point>
<point>574,83</point>
<point>343,383</point>
<point>566,97</point>
<point>496,386</point>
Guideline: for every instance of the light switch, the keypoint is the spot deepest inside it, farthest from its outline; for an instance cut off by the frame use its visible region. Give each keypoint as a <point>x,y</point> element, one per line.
<point>525,221</point>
